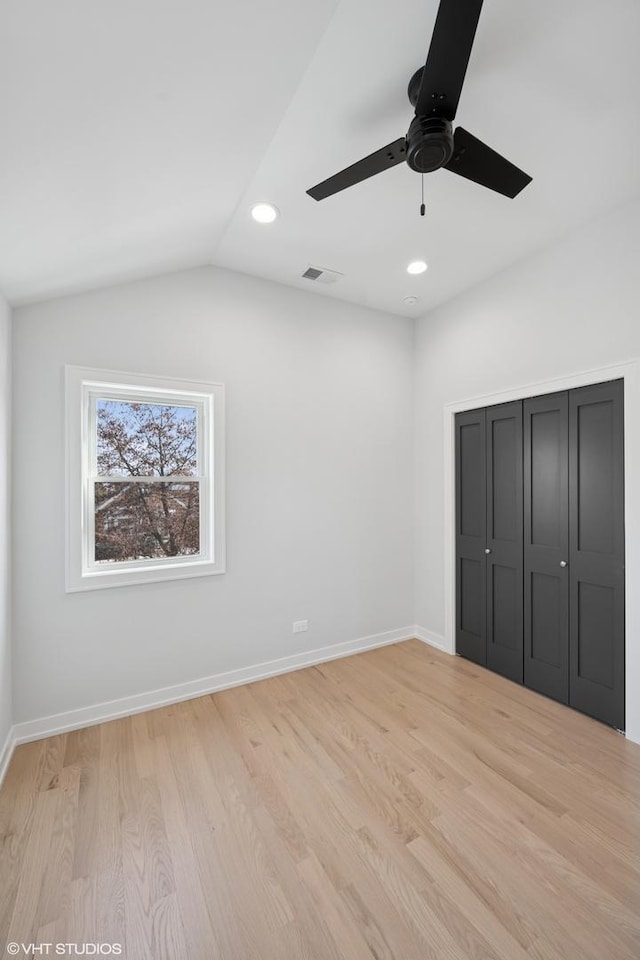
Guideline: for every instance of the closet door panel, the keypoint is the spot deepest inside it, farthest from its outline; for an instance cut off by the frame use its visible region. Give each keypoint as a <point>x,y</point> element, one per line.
<point>504,539</point>
<point>471,637</point>
<point>546,545</point>
<point>596,495</point>
<point>547,625</point>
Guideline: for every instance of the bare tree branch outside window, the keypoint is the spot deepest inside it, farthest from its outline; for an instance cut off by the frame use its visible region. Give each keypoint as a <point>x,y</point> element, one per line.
<point>138,520</point>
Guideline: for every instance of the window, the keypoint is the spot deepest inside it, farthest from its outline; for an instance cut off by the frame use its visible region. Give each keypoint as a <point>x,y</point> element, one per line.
<point>145,479</point>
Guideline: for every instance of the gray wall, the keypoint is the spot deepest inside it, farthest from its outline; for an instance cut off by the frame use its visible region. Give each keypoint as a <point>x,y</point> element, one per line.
<point>319,484</point>
<point>5,523</point>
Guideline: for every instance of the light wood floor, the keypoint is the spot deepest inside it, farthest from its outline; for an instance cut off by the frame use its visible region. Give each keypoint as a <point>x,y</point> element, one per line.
<point>398,805</point>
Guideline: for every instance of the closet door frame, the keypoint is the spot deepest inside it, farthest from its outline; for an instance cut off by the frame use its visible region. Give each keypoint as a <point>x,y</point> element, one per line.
<point>629,372</point>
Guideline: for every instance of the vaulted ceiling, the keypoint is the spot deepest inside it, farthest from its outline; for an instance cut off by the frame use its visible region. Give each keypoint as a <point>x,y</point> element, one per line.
<point>137,133</point>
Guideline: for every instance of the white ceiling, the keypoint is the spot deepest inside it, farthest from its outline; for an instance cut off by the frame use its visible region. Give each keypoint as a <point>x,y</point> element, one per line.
<point>136,134</point>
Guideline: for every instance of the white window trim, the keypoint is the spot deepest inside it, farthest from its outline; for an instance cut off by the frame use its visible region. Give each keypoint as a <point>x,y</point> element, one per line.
<point>83,386</point>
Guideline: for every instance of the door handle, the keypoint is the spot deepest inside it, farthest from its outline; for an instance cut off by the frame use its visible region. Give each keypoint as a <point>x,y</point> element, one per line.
<point>487,550</point>
<point>563,563</point>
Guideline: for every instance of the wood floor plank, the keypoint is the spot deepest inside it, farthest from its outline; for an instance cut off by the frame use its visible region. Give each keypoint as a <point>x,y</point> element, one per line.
<point>18,799</point>
<point>24,921</point>
<point>397,805</point>
<point>191,901</point>
<point>56,882</point>
<point>113,771</point>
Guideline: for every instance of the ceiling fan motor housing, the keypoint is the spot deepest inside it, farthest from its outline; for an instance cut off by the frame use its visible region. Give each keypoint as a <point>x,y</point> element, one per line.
<point>429,143</point>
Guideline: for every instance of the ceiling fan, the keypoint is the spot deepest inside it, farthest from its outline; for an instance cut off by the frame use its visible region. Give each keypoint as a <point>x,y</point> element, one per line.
<point>431,143</point>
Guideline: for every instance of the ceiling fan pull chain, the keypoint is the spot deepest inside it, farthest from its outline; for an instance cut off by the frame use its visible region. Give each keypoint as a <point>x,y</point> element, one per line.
<point>422,206</point>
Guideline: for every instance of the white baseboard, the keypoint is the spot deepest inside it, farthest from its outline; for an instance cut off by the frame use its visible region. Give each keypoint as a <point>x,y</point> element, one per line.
<point>6,752</point>
<point>433,639</point>
<point>127,706</point>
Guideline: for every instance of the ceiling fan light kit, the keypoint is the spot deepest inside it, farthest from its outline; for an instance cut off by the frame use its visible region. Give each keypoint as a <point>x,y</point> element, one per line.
<point>431,142</point>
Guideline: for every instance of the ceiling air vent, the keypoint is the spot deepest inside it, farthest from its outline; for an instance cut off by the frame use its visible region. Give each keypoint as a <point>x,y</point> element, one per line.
<point>320,275</point>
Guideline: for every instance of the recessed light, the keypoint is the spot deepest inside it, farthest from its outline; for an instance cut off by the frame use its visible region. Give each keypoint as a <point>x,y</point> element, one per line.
<point>417,266</point>
<point>264,212</point>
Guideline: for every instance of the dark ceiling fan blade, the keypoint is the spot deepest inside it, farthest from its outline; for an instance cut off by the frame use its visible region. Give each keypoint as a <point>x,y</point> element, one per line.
<point>448,57</point>
<point>383,159</point>
<point>476,161</point>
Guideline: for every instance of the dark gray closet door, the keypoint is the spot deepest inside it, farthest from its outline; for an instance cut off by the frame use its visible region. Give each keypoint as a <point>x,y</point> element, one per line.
<point>504,540</point>
<point>471,637</point>
<point>596,511</point>
<point>546,545</point>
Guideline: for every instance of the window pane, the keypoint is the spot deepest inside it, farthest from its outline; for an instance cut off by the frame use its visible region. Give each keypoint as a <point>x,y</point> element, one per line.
<point>146,439</point>
<point>138,521</point>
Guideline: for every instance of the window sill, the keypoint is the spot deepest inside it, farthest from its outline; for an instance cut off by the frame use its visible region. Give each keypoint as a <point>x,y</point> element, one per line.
<point>103,579</point>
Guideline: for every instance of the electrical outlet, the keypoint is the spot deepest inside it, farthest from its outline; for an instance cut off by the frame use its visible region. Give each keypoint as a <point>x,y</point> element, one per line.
<point>299,626</point>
